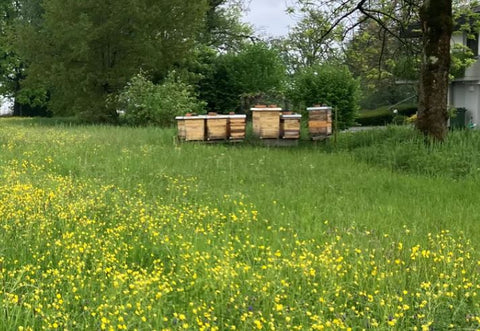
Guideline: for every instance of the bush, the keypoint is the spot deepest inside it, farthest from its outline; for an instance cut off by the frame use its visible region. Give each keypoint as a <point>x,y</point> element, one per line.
<point>230,81</point>
<point>377,117</point>
<point>330,85</point>
<point>145,103</point>
<point>384,115</point>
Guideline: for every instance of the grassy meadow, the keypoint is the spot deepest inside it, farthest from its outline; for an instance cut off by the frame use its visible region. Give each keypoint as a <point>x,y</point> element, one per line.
<point>114,228</point>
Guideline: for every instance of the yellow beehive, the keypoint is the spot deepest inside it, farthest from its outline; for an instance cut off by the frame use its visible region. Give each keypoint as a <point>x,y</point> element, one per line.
<point>217,127</point>
<point>319,122</point>
<point>290,126</point>
<point>266,122</point>
<point>237,124</point>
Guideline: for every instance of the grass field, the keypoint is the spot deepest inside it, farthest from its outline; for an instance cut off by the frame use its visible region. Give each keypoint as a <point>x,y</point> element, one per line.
<point>122,228</point>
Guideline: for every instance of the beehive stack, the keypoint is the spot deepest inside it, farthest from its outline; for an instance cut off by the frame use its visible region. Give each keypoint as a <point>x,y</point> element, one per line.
<point>194,128</point>
<point>266,122</point>
<point>217,127</point>
<point>237,124</point>
<point>290,126</point>
<point>319,122</point>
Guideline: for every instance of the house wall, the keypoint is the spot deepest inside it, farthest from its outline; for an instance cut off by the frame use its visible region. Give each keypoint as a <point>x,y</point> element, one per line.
<point>472,72</point>
<point>464,92</point>
<point>467,95</point>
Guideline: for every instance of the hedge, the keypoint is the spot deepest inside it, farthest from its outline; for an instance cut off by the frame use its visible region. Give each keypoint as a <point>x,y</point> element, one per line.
<point>384,115</point>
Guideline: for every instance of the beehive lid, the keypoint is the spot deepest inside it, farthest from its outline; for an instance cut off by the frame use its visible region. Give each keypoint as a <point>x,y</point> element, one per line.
<point>319,108</point>
<point>291,116</point>
<point>218,117</point>
<point>266,109</point>
<point>237,116</point>
<point>191,117</point>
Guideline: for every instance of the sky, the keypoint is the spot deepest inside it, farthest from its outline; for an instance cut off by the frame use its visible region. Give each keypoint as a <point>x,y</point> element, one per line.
<point>269,16</point>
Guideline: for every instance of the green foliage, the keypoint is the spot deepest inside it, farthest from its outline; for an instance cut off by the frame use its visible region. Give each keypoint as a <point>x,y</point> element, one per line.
<point>83,51</point>
<point>306,43</point>
<point>224,28</point>
<point>145,103</point>
<point>256,69</point>
<point>462,57</point>
<point>330,85</point>
<point>384,115</point>
<point>379,61</point>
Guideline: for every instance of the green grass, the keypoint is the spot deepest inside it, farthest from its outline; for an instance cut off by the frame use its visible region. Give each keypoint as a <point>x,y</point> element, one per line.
<point>243,235</point>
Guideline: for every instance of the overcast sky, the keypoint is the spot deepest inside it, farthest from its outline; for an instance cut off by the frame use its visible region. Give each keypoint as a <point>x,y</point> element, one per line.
<point>269,17</point>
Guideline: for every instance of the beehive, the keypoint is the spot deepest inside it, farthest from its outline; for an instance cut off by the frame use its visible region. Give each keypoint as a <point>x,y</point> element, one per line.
<point>181,127</point>
<point>290,126</point>
<point>256,118</point>
<point>266,122</point>
<point>191,128</point>
<point>237,124</point>
<point>319,122</point>
<point>217,127</point>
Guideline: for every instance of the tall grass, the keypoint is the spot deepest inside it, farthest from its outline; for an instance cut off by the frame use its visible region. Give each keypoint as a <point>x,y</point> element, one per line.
<point>404,149</point>
<point>107,227</point>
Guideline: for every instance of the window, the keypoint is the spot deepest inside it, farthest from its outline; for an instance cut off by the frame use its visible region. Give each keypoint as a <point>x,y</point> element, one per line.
<point>473,44</point>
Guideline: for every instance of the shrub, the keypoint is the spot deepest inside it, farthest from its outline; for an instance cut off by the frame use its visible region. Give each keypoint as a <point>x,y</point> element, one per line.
<point>145,103</point>
<point>233,80</point>
<point>385,115</point>
<point>330,85</point>
<point>375,118</point>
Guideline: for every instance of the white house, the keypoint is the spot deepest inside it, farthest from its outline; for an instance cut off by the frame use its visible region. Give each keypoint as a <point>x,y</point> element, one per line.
<point>464,92</point>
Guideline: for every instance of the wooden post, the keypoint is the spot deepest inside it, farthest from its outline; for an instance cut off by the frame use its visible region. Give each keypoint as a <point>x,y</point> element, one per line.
<point>336,127</point>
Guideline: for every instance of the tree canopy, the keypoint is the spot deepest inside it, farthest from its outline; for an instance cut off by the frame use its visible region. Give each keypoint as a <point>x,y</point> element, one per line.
<point>82,51</point>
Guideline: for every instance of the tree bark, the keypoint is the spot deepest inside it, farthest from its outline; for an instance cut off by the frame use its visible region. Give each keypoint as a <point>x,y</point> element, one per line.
<point>437,27</point>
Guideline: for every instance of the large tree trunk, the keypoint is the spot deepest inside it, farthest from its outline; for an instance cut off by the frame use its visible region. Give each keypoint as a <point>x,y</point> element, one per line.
<point>437,26</point>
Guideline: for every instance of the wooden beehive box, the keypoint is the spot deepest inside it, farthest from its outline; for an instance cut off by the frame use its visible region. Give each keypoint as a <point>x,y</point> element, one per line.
<point>266,122</point>
<point>194,128</point>
<point>256,118</point>
<point>319,122</point>
<point>181,127</point>
<point>237,125</point>
<point>290,126</point>
<point>217,127</point>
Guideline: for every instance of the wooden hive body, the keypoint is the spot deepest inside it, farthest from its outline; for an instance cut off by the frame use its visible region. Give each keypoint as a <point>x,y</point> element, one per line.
<point>194,128</point>
<point>319,122</point>
<point>266,122</point>
<point>181,128</point>
<point>237,125</point>
<point>290,126</point>
<point>217,127</point>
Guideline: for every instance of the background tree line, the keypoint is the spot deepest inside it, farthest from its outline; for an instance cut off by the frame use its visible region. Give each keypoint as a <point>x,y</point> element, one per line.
<point>157,59</point>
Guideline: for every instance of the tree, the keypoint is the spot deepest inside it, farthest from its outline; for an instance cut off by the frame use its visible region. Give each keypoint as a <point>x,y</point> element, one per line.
<point>436,21</point>
<point>224,30</point>
<point>301,47</point>
<point>12,67</point>
<point>379,61</point>
<point>84,51</point>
